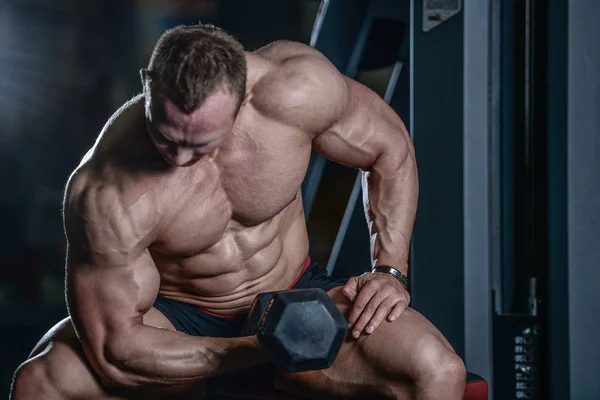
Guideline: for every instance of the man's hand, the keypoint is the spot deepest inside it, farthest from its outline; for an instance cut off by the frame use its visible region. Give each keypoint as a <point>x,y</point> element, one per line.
<point>375,296</point>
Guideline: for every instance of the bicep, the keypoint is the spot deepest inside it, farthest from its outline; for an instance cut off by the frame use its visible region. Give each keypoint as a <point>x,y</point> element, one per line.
<point>106,301</point>
<point>366,130</point>
<point>111,278</point>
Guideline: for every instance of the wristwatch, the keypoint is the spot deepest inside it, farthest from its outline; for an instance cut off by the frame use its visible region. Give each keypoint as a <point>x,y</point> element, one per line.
<point>394,272</point>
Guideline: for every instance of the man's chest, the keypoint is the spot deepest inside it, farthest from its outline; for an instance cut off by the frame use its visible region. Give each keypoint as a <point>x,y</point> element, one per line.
<point>254,176</point>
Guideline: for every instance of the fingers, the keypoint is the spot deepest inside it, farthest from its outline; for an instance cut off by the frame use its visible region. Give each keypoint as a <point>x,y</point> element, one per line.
<point>375,312</point>
<point>382,311</point>
<point>364,308</point>
<point>374,301</point>
<point>350,289</point>
<point>360,302</point>
<point>398,309</point>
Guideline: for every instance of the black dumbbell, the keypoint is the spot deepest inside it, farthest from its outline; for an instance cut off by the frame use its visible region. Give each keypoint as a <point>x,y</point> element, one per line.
<point>301,329</point>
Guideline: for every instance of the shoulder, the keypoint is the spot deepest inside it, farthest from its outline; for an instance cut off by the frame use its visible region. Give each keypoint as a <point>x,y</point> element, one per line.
<point>107,172</point>
<point>283,50</point>
<point>108,210</point>
<point>98,179</point>
<point>298,64</point>
<point>302,86</point>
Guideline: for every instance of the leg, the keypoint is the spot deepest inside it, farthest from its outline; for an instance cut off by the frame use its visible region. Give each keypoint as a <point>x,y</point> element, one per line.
<point>58,370</point>
<point>405,359</point>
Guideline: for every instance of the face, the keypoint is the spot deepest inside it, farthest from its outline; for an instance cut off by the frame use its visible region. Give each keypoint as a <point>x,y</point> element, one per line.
<point>184,139</point>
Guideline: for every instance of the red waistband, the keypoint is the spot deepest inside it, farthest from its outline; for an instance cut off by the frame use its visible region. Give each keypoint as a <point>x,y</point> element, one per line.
<point>306,265</point>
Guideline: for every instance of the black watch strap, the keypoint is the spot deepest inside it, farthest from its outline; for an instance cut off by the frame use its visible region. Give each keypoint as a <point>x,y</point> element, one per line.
<point>384,269</point>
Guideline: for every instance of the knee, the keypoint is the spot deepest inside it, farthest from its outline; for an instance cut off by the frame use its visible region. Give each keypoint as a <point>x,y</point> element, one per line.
<point>31,381</point>
<point>440,366</point>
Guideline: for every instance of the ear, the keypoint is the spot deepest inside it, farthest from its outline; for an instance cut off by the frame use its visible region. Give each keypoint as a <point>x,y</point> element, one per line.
<point>144,76</point>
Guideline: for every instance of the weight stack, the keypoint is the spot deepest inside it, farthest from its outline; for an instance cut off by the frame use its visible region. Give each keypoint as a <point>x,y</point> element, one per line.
<point>518,357</point>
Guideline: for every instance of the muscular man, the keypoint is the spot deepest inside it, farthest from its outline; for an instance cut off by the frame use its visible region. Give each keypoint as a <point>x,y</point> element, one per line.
<point>188,206</point>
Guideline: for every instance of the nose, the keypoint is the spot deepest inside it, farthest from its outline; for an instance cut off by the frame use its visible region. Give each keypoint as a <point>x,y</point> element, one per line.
<point>180,157</point>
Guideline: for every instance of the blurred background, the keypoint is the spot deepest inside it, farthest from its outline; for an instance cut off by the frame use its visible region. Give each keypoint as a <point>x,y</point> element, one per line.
<point>501,97</point>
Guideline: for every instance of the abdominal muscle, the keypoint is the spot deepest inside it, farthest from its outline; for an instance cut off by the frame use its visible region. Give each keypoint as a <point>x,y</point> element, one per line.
<point>246,261</point>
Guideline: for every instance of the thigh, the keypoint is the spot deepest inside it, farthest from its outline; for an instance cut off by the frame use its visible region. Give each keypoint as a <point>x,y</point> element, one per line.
<point>365,367</point>
<point>60,356</point>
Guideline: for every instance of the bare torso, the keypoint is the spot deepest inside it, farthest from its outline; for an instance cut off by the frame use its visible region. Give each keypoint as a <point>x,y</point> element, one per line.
<point>231,225</point>
<point>228,227</point>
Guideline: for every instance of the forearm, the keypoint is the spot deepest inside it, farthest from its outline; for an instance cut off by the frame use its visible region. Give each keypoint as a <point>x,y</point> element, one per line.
<point>158,356</point>
<point>393,188</point>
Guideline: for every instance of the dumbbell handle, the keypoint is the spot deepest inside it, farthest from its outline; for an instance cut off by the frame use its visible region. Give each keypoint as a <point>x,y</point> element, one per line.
<point>257,312</point>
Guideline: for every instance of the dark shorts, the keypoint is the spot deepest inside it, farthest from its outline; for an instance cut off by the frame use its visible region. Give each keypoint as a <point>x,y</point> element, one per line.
<point>195,321</point>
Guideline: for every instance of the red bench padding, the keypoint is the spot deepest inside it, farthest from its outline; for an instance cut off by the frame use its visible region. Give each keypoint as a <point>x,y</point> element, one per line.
<point>476,389</point>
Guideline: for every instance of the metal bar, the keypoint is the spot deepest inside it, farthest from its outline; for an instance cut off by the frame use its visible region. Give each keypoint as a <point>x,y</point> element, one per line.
<point>476,203</point>
<point>317,165</point>
<point>392,83</point>
<point>495,173</point>
<point>311,182</point>
<point>318,22</point>
<point>352,67</point>
<point>507,154</point>
<point>559,378</point>
<point>339,239</point>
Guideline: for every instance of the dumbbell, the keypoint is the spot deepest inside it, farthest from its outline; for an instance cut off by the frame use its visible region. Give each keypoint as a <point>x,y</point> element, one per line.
<point>301,329</point>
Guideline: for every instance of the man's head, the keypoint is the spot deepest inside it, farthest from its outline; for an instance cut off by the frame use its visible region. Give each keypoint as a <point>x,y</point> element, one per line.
<point>194,87</point>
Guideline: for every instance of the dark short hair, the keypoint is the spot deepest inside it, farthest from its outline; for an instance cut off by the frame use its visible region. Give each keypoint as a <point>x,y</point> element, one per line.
<point>189,63</point>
